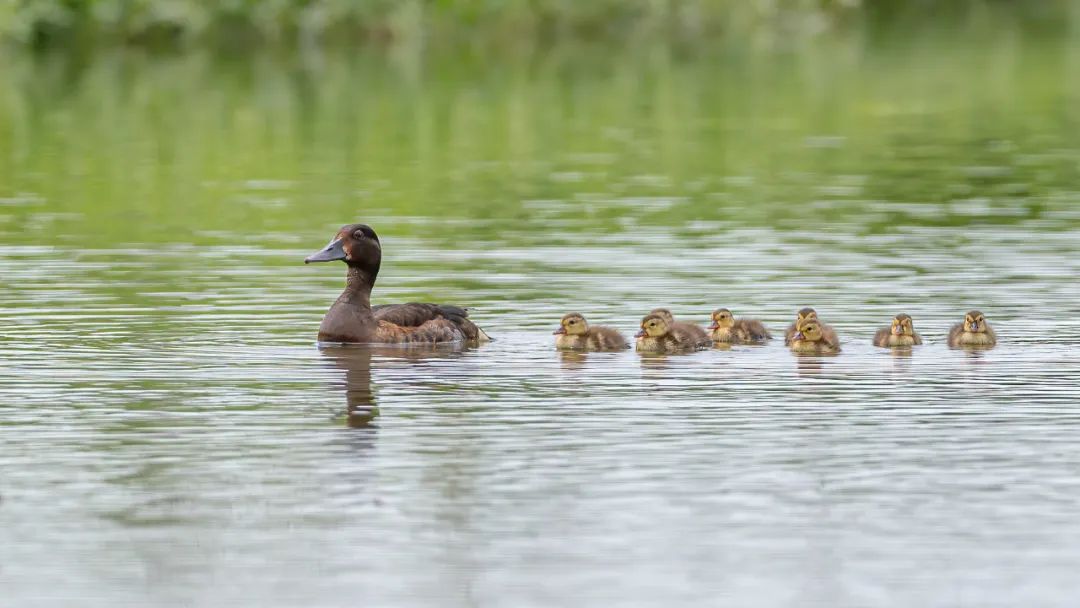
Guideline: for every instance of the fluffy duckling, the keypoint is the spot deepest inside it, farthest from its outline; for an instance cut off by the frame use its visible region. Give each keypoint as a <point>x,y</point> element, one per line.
<point>810,338</point>
<point>806,314</point>
<point>726,329</point>
<point>901,333</point>
<point>693,329</point>
<point>974,331</point>
<point>575,333</point>
<point>658,336</point>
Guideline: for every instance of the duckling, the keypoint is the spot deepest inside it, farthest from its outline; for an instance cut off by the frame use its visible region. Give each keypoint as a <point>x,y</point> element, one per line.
<point>658,336</point>
<point>974,331</point>
<point>804,314</point>
<point>693,329</point>
<point>811,339</point>
<point>352,318</point>
<point>726,329</point>
<point>901,333</point>
<point>575,333</point>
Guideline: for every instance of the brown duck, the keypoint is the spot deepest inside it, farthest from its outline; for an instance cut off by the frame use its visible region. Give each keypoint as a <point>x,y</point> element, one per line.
<point>900,334</point>
<point>352,318</point>
<point>575,333</point>
<point>726,329</point>
<point>973,332</point>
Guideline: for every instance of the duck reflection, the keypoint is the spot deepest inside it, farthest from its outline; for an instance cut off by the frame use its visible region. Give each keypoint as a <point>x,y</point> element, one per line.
<point>572,360</point>
<point>361,405</point>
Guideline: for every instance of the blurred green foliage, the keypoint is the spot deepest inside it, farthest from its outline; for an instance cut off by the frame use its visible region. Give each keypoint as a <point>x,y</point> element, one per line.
<point>48,23</point>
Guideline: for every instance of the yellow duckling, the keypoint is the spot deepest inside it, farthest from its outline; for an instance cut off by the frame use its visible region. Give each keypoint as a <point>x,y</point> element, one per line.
<point>902,333</point>
<point>973,332</point>
<point>726,329</point>
<point>810,338</point>
<point>658,336</point>
<point>693,329</point>
<point>806,313</point>
<point>575,333</point>
<point>803,315</point>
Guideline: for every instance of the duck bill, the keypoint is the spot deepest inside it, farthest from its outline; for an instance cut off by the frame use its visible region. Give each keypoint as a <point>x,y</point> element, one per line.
<point>897,331</point>
<point>332,252</point>
<point>798,336</point>
<point>640,334</point>
<point>974,327</point>
<point>559,332</point>
<point>715,325</point>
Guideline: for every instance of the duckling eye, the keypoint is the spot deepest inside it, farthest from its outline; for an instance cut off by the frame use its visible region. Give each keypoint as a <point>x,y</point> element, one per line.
<point>571,322</point>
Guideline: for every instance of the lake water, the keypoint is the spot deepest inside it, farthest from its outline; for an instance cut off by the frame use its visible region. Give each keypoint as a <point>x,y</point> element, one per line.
<point>171,435</point>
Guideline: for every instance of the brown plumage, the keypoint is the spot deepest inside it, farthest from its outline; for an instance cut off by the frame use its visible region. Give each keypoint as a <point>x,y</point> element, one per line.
<point>810,339</point>
<point>692,329</point>
<point>974,332</point>
<point>353,319</point>
<point>575,333</point>
<point>900,334</point>
<point>726,329</point>
<point>658,336</point>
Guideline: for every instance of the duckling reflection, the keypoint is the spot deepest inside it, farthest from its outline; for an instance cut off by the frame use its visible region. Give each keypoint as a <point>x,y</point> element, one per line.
<point>572,359</point>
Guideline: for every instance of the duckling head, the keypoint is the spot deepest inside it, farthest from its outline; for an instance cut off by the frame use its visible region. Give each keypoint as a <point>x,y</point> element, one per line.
<point>902,325</point>
<point>664,314</point>
<point>722,319</point>
<point>573,324</point>
<point>805,313</point>
<point>809,330</point>
<point>975,322</point>
<point>653,326</point>
<point>357,245</point>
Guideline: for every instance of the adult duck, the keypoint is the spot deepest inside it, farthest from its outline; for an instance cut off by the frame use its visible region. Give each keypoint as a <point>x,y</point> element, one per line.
<point>352,318</point>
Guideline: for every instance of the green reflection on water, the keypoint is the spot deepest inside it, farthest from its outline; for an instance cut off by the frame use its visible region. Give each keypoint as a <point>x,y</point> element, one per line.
<point>131,148</point>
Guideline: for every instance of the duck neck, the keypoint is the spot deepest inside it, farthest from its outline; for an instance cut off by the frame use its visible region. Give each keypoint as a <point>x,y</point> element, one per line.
<point>358,284</point>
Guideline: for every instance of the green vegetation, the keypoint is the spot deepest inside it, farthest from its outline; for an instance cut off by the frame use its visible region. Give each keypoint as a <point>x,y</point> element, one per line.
<point>45,23</point>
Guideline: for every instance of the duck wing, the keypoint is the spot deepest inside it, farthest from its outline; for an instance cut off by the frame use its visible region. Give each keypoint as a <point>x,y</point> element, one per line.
<point>417,314</point>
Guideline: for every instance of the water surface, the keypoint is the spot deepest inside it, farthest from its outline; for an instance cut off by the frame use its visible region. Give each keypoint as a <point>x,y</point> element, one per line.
<point>172,435</point>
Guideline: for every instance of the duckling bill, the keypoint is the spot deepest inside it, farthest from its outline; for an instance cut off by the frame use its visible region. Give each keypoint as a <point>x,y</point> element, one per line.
<point>974,332</point>
<point>575,333</point>
<point>352,318</point>
<point>899,335</point>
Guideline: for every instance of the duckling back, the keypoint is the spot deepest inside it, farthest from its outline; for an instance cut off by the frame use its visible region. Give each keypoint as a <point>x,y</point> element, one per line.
<point>750,331</point>
<point>606,338</point>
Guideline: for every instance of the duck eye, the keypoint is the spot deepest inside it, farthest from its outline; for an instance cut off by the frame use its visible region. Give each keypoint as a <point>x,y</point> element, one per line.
<point>359,234</point>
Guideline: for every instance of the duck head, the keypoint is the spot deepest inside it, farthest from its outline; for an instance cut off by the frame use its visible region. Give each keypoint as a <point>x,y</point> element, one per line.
<point>653,326</point>
<point>975,322</point>
<point>573,324</point>
<point>664,314</point>
<point>355,244</point>
<point>902,326</point>
<point>722,319</point>
<point>804,314</point>
<point>808,330</point>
